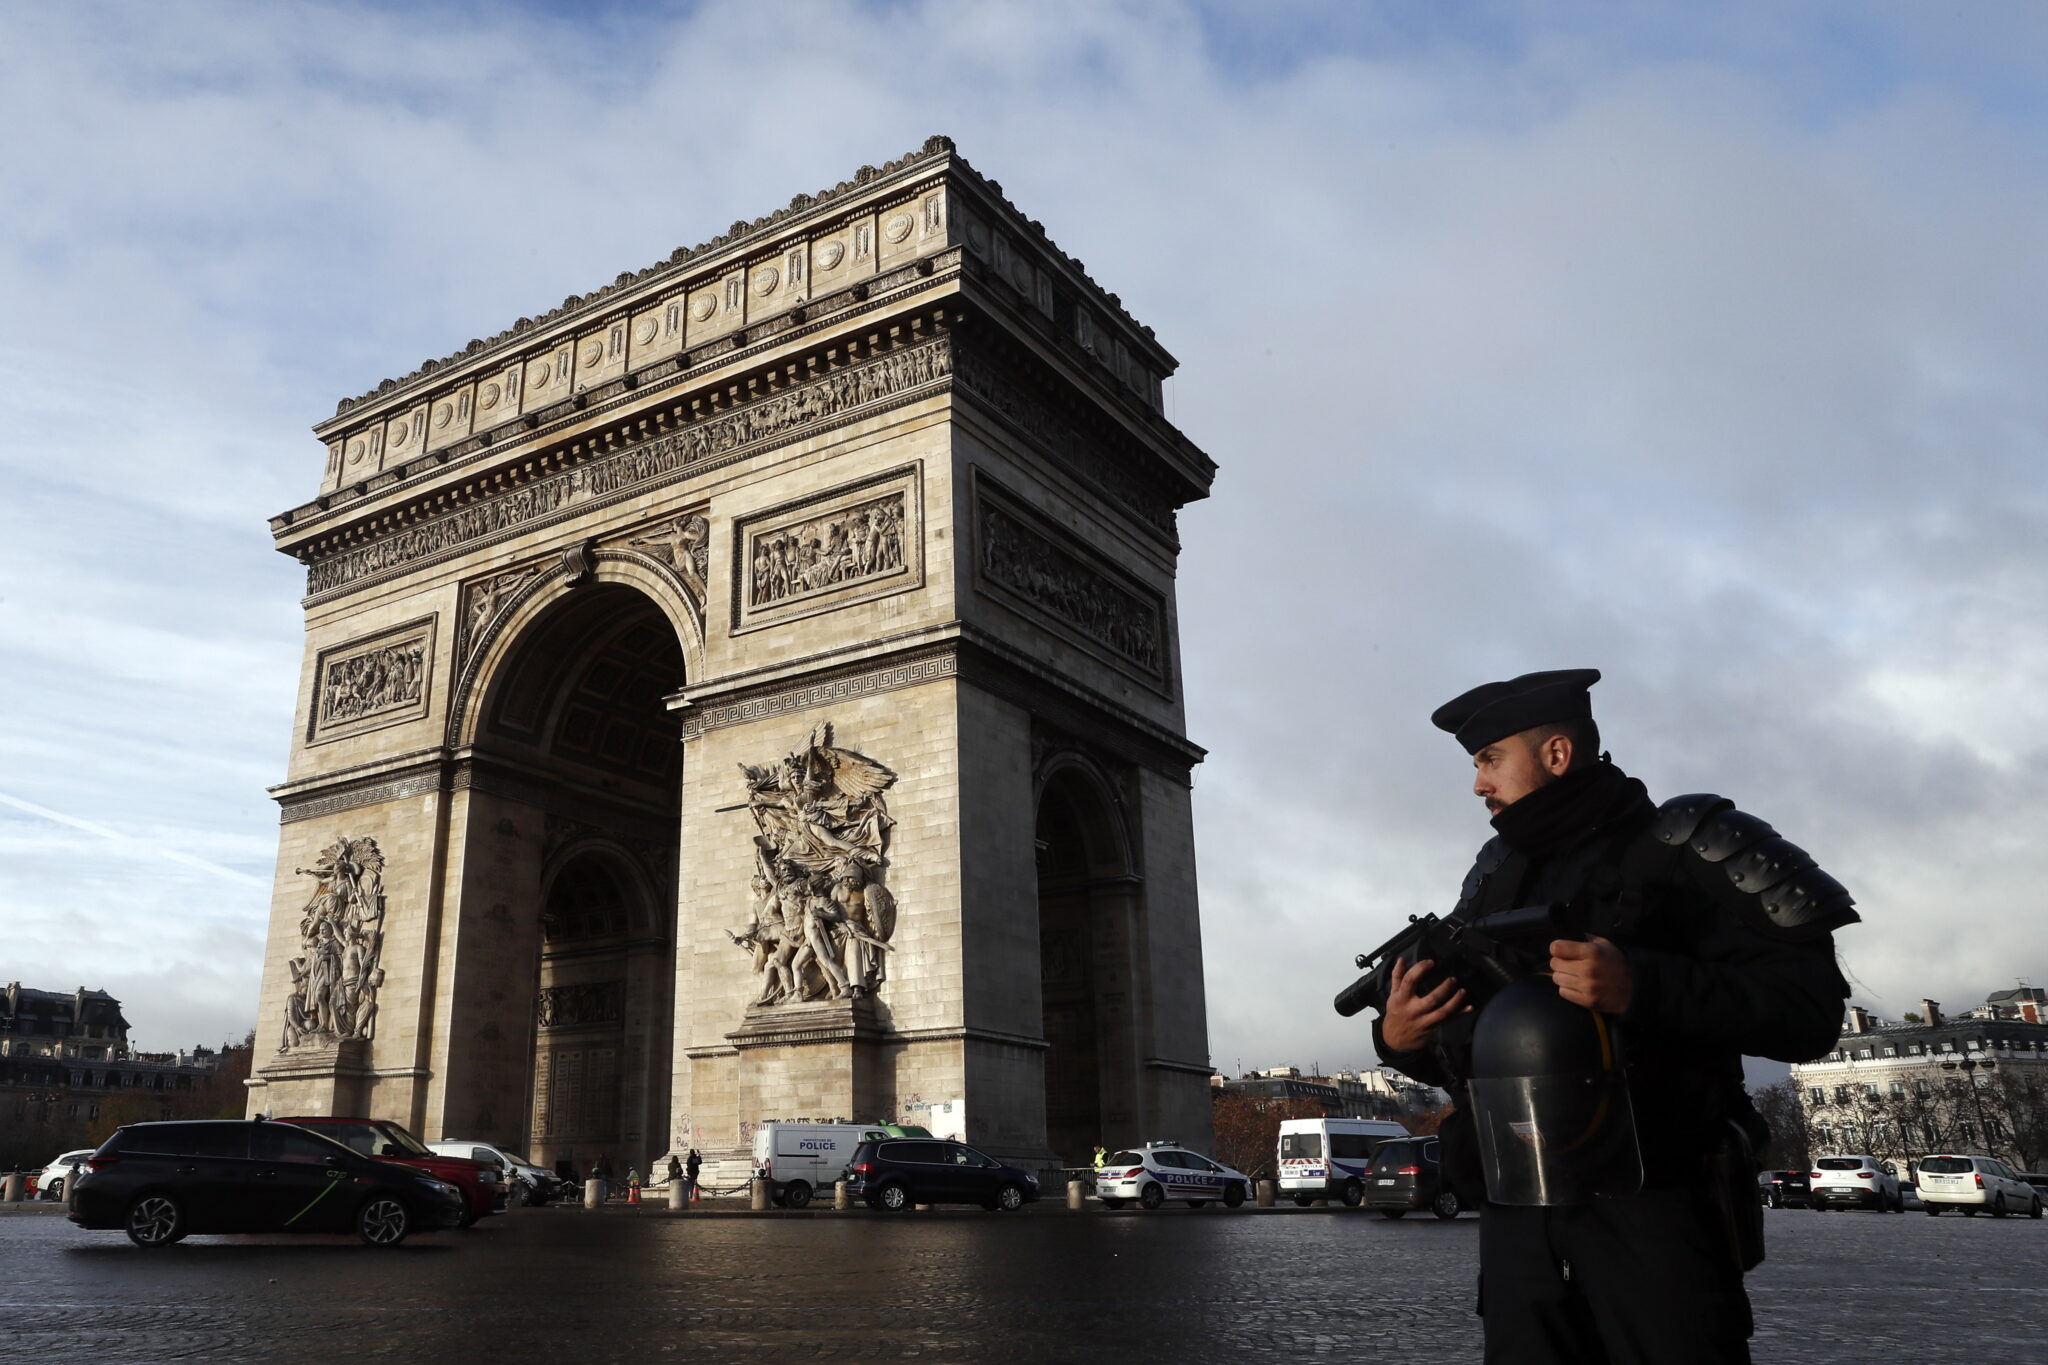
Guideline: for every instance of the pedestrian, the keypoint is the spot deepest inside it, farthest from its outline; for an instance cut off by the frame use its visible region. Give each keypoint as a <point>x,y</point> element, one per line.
<point>1101,1157</point>
<point>692,1166</point>
<point>1694,936</point>
<point>601,1171</point>
<point>675,1170</point>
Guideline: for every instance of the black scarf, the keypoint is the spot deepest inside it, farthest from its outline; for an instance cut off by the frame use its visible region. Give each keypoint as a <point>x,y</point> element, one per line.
<point>1570,809</point>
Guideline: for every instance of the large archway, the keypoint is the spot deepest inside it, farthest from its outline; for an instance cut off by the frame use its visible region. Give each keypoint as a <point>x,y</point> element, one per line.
<point>578,712</point>
<point>1086,900</point>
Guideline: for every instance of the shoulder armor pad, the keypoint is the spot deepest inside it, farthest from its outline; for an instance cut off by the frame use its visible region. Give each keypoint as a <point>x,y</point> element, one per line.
<point>1726,833</point>
<point>1769,880</point>
<point>1681,815</point>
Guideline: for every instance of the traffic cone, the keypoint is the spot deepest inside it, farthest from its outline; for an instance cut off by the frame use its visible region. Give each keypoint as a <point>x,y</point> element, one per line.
<point>633,1193</point>
<point>693,1194</point>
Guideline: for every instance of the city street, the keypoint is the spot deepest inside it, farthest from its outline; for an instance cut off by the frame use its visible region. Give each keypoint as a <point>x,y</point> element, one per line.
<point>1046,1286</point>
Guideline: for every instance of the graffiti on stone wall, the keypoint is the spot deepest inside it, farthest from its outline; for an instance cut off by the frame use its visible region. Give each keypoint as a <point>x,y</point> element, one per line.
<point>336,975</point>
<point>822,917</point>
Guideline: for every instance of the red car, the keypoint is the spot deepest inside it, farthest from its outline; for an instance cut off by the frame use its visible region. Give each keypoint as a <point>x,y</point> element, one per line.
<point>482,1186</point>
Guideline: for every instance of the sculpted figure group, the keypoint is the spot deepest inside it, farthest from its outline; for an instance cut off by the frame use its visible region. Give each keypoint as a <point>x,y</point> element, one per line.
<point>822,918</point>
<point>855,544</point>
<point>341,937</point>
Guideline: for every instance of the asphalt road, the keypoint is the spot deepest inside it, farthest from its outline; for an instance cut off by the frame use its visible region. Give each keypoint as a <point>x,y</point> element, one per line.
<point>1046,1286</point>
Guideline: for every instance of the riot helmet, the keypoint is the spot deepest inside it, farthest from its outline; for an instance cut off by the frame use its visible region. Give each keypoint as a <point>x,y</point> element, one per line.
<point>1551,1100</point>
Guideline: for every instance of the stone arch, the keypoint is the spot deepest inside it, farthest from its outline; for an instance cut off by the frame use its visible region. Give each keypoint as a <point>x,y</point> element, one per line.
<point>1088,924</point>
<point>498,640</point>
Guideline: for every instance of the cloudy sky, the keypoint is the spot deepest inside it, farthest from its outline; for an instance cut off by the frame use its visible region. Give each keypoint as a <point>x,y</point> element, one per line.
<point>1700,343</point>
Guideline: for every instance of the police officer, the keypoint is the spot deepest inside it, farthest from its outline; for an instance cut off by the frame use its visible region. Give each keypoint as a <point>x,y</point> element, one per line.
<point>1697,936</point>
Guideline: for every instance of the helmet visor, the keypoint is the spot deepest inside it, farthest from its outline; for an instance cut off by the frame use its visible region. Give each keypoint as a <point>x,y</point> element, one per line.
<point>1555,1140</point>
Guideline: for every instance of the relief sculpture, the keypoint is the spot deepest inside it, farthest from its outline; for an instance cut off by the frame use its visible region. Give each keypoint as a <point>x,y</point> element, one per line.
<point>845,546</point>
<point>374,681</point>
<point>584,1003</point>
<point>685,546</point>
<point>341,937</point>
<point>1019,558</point>
<point>822,918</point>
<point>483,602</point>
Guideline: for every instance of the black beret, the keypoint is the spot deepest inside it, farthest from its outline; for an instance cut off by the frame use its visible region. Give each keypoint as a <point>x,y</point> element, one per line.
<point>1496,710</point>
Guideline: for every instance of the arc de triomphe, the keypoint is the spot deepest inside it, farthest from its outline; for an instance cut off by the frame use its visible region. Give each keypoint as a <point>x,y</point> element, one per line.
<point>752,691</point>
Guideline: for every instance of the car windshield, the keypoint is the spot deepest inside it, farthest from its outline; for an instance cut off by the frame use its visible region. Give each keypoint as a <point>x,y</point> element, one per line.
<point>1945,1165</point>
<point>1301,1144</point>
<point>1840,1163</point>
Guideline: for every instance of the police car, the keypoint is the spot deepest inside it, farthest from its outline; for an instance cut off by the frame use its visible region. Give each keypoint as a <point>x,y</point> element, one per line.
<point>1159,1171</point>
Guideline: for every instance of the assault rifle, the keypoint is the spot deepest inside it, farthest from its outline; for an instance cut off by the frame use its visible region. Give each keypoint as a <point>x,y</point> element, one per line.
<point>1484,955</point>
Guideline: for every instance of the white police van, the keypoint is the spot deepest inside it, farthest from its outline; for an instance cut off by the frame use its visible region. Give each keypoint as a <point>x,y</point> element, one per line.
<point>1330,1158</point>
<point>798,1159</point>
<point>1159,1171</point>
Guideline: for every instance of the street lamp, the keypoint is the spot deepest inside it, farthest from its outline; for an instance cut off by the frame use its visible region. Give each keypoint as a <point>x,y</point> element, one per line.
<point>1967,1065</point>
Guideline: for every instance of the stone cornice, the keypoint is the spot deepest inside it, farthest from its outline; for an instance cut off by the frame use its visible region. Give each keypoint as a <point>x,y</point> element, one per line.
<point>804,217</point>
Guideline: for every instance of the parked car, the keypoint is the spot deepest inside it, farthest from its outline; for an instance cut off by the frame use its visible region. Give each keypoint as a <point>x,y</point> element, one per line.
<point>895,1173</point>
<point>1855,1181</point>
<point>1973,1184</point>
<point>1785,1189</point>
<point>1326,1158</point>
<point>1406,1176</point>
<point>798,1159</point>
<point>1159,1171</point>
<point>483,1188</point>
<point>56,1177</point>
<point>160,1182</point>
<point>525,1183</point>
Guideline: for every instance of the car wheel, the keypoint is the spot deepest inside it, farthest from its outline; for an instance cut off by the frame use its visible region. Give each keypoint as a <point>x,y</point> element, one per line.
<point>1998,1206</point>
<point>1354,1194</point>
<point>796,1195</point>
<point>1233,1197</point>
<point>1445,1204</point>
<point>1110,1203</point>
<point>470,1218</point>
<point>1392,1214</point>
<point>56,1190</point>
<point>2035,1212</point>
<point>155,1220</point>
<point>1152,1196</point>
<point>1302,1201</point>
<point>1009,1198</point>
<point>892,1198</point>
<point>383,1221</point>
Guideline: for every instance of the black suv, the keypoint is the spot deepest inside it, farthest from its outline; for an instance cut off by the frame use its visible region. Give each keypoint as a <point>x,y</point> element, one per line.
<point>161,1181</point>
<point>895,1173</point>
<point>1784,1189</point>
<point>1405,1176</point>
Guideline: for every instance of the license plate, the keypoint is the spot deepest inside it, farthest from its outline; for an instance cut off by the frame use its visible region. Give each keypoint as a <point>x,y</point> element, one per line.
<point>1382,1182</point>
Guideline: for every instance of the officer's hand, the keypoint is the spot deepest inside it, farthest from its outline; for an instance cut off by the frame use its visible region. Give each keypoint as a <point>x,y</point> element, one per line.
<point>1410,1020</point>
<point>1593,974</point>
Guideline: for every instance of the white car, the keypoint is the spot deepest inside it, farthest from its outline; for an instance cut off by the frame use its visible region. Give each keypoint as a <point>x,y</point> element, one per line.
<point>1854,1182</point>
<point>57,1176</point>
<point>1973,1183</point>
<point>1159,1171</point>
<point>525,1182</point>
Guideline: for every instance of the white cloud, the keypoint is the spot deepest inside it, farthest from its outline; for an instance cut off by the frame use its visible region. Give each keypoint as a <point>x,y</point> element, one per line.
<point>1709,357</point>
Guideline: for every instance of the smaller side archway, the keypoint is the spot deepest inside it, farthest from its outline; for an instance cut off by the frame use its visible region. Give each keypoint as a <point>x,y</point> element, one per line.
<point>1088,928</point>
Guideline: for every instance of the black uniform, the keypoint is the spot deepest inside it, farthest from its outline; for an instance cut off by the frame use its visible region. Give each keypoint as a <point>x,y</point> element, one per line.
<point>1727,931</point>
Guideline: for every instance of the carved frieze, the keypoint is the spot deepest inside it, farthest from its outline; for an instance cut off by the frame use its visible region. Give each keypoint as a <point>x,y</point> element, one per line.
<point>822,916</point>
<point>335,978</point>
<point>585,1004</point>
<point>1024,560</point>
<point>883,379</point>
<point>372,682</point>
<point>684,544</point>
<point>826,551</point>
